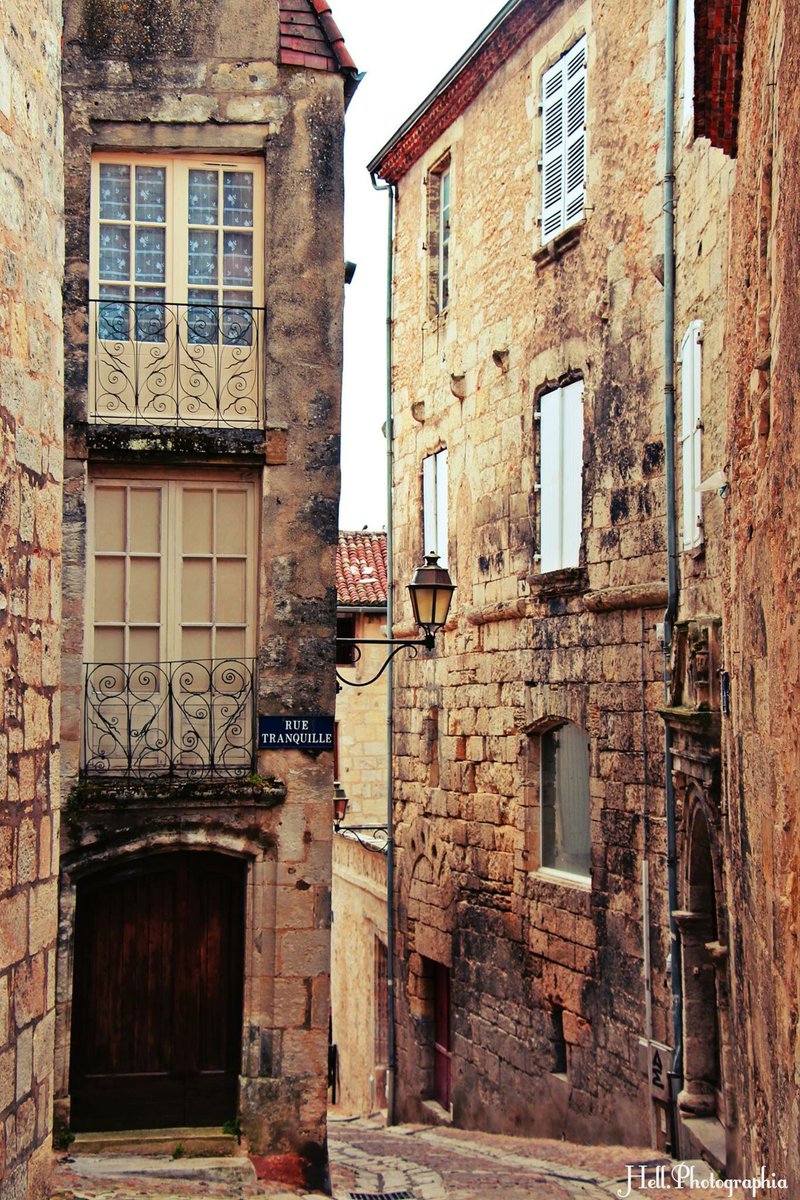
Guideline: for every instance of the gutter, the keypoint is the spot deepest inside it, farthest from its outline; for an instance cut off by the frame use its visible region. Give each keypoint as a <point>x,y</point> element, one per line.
<point>675,973</point>
<point>391,1074</point>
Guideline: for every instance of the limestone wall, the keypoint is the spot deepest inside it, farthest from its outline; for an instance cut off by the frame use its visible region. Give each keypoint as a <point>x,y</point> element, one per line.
<point>359,921</point>
<point>761,739</point>
<point>527,951</point>
<point>361,729</point>
<point>31,400</point>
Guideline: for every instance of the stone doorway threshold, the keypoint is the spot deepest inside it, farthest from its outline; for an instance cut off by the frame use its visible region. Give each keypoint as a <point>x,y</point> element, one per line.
<point>177,1144</point>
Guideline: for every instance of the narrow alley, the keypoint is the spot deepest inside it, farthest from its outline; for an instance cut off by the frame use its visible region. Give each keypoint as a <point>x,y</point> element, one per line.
<point>406,1162</point>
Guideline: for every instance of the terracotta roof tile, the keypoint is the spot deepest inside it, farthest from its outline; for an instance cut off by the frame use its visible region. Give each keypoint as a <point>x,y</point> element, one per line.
<point>361,569</point>
<point>310,37</point>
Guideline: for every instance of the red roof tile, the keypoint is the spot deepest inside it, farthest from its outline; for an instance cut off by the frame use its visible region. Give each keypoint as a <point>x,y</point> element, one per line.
<point>361,569</point>
<point>310,37</point>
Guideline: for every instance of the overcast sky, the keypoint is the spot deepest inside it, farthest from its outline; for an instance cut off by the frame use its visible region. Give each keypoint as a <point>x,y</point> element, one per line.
<point>404,49</point>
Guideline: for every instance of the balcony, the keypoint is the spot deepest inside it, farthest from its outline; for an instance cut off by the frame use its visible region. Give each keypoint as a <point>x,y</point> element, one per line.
<point>154,363</point>
<point>189,720</point>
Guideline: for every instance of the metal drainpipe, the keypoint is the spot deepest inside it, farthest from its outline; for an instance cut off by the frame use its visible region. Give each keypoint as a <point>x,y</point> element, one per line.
<point>391,1073</point>
<point>676,983</point>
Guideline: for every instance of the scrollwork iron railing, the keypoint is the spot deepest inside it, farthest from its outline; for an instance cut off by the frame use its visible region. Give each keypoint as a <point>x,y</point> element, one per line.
<point>192,719</point>
<point>180,364</point>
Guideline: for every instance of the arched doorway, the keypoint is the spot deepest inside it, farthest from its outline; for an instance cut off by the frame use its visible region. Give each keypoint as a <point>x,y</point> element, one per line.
<point>157,992</point>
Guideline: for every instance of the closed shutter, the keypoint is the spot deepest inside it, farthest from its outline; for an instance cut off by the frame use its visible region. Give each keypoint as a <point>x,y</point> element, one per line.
<point>575,73</point>
<point>564,141</point>
<point>553,142</point>
<point>561,477</point>
<point>691,435</point>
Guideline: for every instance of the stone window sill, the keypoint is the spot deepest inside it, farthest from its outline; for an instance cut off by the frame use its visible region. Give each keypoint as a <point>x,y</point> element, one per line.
<point>565,878</point>
<point>566,582</point>
<point>559,245</point>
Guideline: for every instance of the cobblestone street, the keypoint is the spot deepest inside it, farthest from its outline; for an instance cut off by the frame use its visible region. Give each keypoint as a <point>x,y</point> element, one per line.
<point>407,1162</point>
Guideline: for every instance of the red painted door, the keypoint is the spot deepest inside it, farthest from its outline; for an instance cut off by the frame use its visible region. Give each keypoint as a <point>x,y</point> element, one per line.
<point>157,993</point>
<point>441,1039</point>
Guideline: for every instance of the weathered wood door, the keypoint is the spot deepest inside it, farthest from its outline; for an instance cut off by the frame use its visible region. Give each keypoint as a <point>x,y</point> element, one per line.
<point>157,993</point>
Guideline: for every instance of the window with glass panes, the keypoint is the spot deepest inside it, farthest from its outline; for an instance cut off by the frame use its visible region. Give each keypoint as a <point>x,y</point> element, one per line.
<point>177,232</point>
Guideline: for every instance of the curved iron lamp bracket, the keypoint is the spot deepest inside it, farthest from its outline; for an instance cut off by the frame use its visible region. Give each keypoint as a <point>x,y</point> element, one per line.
<point>397,645</point>
<point>371,837</point>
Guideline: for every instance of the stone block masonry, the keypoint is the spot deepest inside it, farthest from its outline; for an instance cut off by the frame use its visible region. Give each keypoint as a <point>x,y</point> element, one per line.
<point>31,401</point>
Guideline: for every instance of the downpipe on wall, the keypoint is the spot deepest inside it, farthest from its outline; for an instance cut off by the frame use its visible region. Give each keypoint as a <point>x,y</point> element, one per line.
<point>391,1073</point>
<point>676,982</point>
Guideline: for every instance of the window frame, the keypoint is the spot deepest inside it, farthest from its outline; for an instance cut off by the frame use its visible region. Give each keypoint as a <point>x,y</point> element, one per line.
<point>435,506</point>
<point>564,142</point>
<point>556,494</point>
<point>176,283</point>
<point>568,874</point>
<point>439,185</point>
<point>171,555</point>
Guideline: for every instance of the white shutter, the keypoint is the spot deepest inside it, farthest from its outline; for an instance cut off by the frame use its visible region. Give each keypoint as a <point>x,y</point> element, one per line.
<point>553,147</point>
<point>564,141</point>
<point>691,435</point>
<point>572,473</point>
<point>441,507</point>
<point>550,494</point>
<point>429,504</point>
<point>561,477</point>
<point>575,168</point>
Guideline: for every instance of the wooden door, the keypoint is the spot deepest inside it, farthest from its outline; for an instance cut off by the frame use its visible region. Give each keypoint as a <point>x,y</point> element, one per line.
<point>157,993</point>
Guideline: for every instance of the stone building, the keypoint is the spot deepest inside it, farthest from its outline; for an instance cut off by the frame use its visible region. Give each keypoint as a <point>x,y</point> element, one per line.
<point>31,405</point>
<point>529,452</point>
<point>204,284</point>
<point>755,113</point>
<point>359,953</point>
<point>533,298</point>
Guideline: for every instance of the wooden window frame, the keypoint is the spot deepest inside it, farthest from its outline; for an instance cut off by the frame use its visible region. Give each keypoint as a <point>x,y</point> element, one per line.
<point>170,624</point>
<point>559,484</point>
<point>571,873</point>
<point>439,184</point>
<point>177,167</point>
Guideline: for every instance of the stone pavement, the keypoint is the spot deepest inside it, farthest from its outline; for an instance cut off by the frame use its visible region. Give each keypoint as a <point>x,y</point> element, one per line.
<point>454,1164</point>
<point>412,1162</point>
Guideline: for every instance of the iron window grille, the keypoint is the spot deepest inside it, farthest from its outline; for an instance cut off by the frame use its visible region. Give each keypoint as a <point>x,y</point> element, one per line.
<point>193,719</point>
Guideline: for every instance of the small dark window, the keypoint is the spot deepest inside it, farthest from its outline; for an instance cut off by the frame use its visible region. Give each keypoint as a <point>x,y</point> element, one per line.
<point>559,1042</point>
<point>345,628</point>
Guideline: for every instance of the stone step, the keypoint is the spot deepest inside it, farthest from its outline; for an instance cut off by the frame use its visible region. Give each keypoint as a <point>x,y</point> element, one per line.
<point>203,1142</point>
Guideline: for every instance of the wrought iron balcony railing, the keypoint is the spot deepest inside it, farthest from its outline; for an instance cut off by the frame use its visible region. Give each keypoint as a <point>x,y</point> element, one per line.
<point>155,363</point>
<point>192,720</point>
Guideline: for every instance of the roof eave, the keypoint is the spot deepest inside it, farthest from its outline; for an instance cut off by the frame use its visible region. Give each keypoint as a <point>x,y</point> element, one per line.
<point>374,167</point>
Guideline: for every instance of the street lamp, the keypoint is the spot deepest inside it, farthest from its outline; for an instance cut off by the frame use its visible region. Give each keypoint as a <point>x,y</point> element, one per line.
<point>371,837</point>
<point>431,591</point>
<point>340,802</point>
